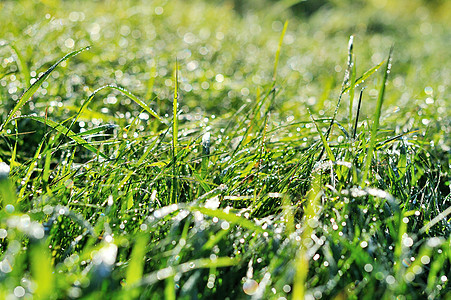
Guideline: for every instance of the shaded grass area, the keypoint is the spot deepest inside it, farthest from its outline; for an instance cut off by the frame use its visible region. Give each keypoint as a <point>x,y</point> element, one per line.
<point>190,156</point>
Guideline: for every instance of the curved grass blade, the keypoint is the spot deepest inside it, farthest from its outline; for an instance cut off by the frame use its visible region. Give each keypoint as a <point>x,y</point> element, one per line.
<point>96,130</point>
<point>34,87</point>
<point>137,101</point>
<point>201,263</point>
<point>22,64</point>
<point>123,91</point>
<point>365,75</point>
<point>229,217</point>
<point>69,133</point>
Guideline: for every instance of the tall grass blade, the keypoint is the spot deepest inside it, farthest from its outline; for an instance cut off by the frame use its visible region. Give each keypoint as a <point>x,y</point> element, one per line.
<point>175,126</point>
<point>136,265</point>
<point>302,259</point>
<point>345,82</point>
<point>352,90</point>
<point>42,270</point>
<point>375,127</point>
<point>30,171</point>
<point>34,87</point>
<point>279,47</point>
<point>357,115</point>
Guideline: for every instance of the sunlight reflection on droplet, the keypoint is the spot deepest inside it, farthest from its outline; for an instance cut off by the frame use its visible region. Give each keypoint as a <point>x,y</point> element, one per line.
<point>250,287</point>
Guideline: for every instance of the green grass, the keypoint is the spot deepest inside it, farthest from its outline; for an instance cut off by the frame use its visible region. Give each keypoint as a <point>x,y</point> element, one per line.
<point>186,155</point>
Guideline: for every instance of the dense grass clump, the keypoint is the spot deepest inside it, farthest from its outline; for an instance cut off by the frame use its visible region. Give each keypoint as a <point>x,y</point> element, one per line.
<point>155,149</point>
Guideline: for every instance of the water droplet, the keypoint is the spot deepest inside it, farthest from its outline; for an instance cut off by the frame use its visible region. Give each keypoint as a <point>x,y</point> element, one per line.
<point>250,287</point>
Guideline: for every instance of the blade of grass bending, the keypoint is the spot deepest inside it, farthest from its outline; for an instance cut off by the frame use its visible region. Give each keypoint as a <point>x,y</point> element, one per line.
<point>22,64</point>
<point>276,62</point>
<point>137,101</point>
<point>123,91</point>
<point>201,263</point>
<point>34,87</point>
<point>96,130</point>
<point>365,75</point>
<point>229,217</point>
<point>69,133</point>
<point>380,100</point>
<point>175,127</point>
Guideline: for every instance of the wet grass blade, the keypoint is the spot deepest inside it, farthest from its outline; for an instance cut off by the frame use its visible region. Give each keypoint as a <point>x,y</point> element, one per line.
<point>22,64</point>
<point>302,259</point>
<point>229,217</point>
<point>375,127</point>
<point>138,101</point>
<point>34,87</point>
<point>357,115</point>
<point>352,90</point>
<point>30,170</point>
<point>365,75</point>
<point>345,81</point>
<point>175,126</point>
<point>42,270</point>
<point>276,61</point>
<point>69,133</point>
<point>323,140</point>
<point>136,265</point>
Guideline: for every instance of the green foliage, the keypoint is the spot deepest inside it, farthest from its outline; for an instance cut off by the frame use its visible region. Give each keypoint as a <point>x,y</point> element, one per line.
<point>130,181</point>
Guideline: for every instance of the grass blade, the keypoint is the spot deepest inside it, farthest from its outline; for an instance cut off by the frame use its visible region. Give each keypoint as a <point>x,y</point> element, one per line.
<point>345,81</point>
<point>34,87</point>
<point>380,100</point>
<point>175,126</point>
<point>352,90</point>
<point>69,133</point>
<point>323,139</point>
<point>365,75</point>
<point>276,62</point>
<point>229,217</point>
<point>137,101</point>
<point>136,265</point>
<point>357,115</point>
<point>42,270</point>
<point>30,170</point>
<point>22,64</point>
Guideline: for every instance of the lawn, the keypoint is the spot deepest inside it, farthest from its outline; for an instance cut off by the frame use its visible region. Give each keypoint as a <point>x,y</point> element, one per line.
<point>225,149</point>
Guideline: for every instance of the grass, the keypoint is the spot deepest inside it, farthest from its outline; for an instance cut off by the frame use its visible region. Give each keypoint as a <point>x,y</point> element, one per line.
<point>250,171</point>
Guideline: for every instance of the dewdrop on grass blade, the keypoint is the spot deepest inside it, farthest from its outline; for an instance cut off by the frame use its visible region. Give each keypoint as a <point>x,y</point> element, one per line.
<point>250,287</point>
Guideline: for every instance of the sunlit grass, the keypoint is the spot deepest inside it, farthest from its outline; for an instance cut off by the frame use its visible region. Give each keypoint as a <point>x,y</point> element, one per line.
<point>186,155</point>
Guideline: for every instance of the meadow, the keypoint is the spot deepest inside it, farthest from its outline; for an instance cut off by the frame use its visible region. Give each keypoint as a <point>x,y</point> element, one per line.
<point>225,149</point>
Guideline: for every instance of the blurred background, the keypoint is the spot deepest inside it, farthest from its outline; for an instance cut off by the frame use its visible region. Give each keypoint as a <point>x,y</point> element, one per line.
<point>226,51</point>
